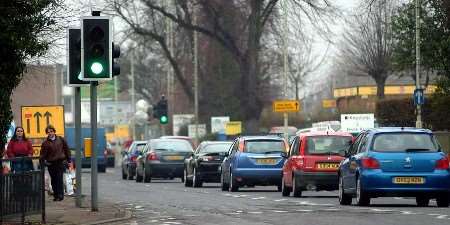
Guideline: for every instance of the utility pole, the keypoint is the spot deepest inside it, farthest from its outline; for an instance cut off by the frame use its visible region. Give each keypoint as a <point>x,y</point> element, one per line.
<point>285,68</point>
<point>196,77</point>
<point>133,94</point>
<point>419,107</point>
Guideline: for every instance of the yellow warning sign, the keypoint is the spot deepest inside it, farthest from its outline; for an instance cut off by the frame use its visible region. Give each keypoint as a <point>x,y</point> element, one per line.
<point>286,106</point>
<point>36,118</point>
<point>328,103</point>
<point>233,128</point>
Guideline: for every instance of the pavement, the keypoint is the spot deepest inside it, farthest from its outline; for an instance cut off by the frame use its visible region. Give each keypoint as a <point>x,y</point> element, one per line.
<point>66,213</point>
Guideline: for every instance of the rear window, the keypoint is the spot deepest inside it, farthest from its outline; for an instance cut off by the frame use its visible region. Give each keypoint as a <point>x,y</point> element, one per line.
<point>327,144</point>
<point>403,142</point>
<point>264,146</point>
<point>139,148</point>
<point>213,148</point>
<point>172,145</point>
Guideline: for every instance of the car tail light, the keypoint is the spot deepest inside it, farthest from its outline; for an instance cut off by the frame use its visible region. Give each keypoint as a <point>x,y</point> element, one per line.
<point>152,156</point>
<point>133,158</point>
<point>442,164</point>
<point>300,162</point>
<point>370,163</point>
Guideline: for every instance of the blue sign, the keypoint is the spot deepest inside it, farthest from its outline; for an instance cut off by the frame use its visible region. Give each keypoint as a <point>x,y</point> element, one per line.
<point>419,97</point>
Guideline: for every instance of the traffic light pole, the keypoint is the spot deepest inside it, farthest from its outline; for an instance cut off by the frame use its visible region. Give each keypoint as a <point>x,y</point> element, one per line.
<point>94,174</point>
<point>77,113</point>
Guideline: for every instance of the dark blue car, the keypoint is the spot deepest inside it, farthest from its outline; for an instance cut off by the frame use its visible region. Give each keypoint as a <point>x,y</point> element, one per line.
<point>253,160</point>
<point>403,162</point>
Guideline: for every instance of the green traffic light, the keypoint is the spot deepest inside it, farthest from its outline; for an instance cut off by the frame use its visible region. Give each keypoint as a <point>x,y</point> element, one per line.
<point>163,119</point>
<point>97,68</point>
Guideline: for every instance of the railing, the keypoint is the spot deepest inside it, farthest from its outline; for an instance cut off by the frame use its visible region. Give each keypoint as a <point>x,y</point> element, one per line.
<point>22,189</point>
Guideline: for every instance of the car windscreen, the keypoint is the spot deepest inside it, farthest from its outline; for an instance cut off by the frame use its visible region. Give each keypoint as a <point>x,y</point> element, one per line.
<point>264,146</point>
<point>404,142</point>
<point>215,148</point>
<point>327,144</point>
<point>172,145</point>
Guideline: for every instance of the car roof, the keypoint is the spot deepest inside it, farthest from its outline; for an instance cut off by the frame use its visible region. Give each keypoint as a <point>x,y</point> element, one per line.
<point>139,142</point>
<point>175,137</point>
<point>261,137</point>
<point>216,142</point>
<point>325,133</point>
<point>399,129</point>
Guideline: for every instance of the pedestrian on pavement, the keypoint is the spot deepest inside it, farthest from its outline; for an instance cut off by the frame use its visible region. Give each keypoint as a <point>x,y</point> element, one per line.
<point>20,146</point>
<point>56,155</point>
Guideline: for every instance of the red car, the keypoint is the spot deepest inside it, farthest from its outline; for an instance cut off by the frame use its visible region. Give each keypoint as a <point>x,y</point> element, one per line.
<point>313,161</point>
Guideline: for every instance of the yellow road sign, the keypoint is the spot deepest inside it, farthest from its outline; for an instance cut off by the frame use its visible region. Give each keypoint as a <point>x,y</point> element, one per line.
<point>233,128</point>
<point>328,103</point>
<point>36,118</point>
<point>286,106</point>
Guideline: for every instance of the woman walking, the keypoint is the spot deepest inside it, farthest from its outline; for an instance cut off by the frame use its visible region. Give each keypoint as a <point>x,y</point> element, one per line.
<point>20,146</point>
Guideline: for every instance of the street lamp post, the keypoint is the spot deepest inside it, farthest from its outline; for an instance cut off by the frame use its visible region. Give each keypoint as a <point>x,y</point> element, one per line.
<point>419,107</point>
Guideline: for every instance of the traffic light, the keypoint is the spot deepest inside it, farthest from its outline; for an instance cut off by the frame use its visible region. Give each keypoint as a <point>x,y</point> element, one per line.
<point>163,117</point>
<point>115,67</point>
<point>96,48</point>
<point>74,58</point>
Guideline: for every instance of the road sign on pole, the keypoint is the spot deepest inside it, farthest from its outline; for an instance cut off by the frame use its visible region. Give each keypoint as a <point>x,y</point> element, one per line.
<point>286,106</point>
<point>36,118</point>
<point>419,97</point>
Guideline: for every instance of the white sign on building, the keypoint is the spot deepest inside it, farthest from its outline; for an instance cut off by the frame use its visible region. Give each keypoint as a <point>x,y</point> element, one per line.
<point>179,120</point>
<point>218,123</point>
<point>357,122</point>
<point>201,130</point>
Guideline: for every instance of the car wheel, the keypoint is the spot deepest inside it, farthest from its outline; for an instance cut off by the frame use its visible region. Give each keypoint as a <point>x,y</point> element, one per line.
<point>297,191</point>
<point>422,201</point>
<point>344,199</point>
<point>285,191</point>
<point>233,185</point>
<point>138,176</point>
<point>196,180</point>
<point>147,176</point>
<point>124,175</point>
<point>129,174</point>
<point>362,198</point>
<point>223,185</point>
<point>443,201</point>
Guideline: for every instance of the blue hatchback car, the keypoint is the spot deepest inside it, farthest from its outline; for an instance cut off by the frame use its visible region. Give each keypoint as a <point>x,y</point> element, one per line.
<point>253,160</point>
<point>403,162</point>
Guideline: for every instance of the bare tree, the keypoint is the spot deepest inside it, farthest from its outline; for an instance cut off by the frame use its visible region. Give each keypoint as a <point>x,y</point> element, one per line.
<point>367,47</point>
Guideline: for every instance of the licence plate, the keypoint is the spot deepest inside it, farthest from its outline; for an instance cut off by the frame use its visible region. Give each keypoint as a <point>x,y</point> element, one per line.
<point>409,180</point>
<point>174,157</point>
<point>327,166</point>
<point>266,161</point>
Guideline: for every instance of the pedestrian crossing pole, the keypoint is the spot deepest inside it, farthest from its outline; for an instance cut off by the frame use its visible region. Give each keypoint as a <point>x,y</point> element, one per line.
<point>419,106</point>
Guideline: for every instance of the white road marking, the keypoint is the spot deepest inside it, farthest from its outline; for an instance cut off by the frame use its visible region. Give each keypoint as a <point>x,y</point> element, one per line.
<point>258,198</point>
<point>239,211</point>
<point>332,209</point>
<point>255,212</point>
<point>233,213</point>
<point>304,210</point>
<point>441,217</point>
<point>280,200</point>
<point>138,207</point>
<point>280,211</point>
<point>381,210</point>
<point>408,213</point>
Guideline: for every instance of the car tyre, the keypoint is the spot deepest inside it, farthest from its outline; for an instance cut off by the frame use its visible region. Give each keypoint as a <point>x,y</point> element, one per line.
<point>147,176</point>
<point>344,199</point>
<point>297,191</point>
<point>362,198</point>
<point>129,173</point>
<point>223,185</point>
<point>196,180</point>
<point>124,175</point>
<point>422,201</point>
<point>285,191</point>
<point>233,185</point>
<point>443,201</point>
<point>187,182</point>
<point>138,177</point>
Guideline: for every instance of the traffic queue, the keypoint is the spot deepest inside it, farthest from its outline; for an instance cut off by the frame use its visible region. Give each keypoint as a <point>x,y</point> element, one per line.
<point>378,162</point>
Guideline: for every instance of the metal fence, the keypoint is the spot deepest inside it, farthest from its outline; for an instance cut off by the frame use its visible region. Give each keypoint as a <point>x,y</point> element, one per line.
<point>22,189</point>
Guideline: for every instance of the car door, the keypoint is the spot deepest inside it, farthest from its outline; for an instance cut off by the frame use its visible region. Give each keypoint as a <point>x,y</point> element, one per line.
<point>192,160</point>
<point>290,162</point>
<point>141,159</point>
<point>348,164</point>
<point>227,161</point>
<point>355,160</point>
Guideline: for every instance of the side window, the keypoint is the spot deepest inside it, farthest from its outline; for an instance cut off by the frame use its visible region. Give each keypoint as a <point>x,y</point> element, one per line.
<point>233,147</point>
<point>364,142</point>
<point>297,146</point>
<point>354,147</point>
<point>293,146</point>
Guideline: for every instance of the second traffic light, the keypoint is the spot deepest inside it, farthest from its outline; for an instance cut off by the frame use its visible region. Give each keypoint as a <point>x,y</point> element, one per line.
<point>96,48</point>
<point>160,111</point>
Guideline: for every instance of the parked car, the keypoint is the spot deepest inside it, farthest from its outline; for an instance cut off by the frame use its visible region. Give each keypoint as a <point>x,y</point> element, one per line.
<point>163,158</point>
<point>404,162</point>
<point>109,155</point>
<point>253,160</point>
<point>312,162</point>
<point>204,164</point>
<point>129,158</point>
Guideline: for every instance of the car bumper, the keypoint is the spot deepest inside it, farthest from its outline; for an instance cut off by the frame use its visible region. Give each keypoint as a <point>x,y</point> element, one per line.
<point>260,176</point>
<point>165,170</point>
<point>319,180</point>
<point>209,172</point>
<point>380,182</point>
<point>132,168</point>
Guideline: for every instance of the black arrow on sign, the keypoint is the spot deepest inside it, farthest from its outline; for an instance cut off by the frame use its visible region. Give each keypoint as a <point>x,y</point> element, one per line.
<point>296,105</point>
<point>38,115</point>
<point>47,116</point>
<point>28,126</point>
